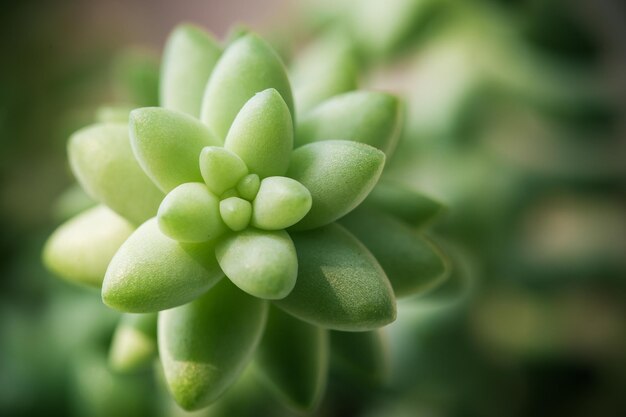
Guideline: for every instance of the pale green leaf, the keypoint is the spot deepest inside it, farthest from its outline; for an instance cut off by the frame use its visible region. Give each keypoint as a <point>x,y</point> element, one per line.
<point>368,117</point>
<point>152,272</point>
<point>167,145</point>
<point>340,285</point>
<point>221,169</point>
<point>205,345</point>
<point>280,202</point>
<point>80,249</point>
<point>188,60</point>
<point>103,162</point>
<point>262,134</point>
<point>248,66</point>
<point>339,174</point>
<point>191,213</point>
<point>261,263</point>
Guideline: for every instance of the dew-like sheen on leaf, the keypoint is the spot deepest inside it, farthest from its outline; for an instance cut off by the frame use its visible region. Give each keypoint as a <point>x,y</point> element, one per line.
<point>103,162</point>
<point>167,144</point>
<point>81,248</point>
<point>340,284</point>
<point>262,134</point>
<point>412,263</point>
<point>293,360</point>
<point>152,272</point>
<point>134,344</point>
<point>205,345</point>
<point>262,263</point>
<point>339,175</point>
<point>362,116</point>
<point>188,60</point>
<point>248,66</point>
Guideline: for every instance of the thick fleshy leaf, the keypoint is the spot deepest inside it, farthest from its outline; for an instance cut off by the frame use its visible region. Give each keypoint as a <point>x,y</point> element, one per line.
<point>248,187</point>
<point>221,169</point>
<point>188,60</point>
<point>281,202</point>
<point>338,173</point>
<point>248,66</point>
<point>403,203</point>
<point>340,285</point>
<point>103,162</point>
<point>205,345</point>
<point>262,134</point>
<point>412,263</point>
<point>363,354</point>
<point>167,145</point>
<point>236,213</point>
<point>80,249</point>
<point>368,117</point>
<point>324,69</point>
<point>293,360</point>
<point>134,344</point>
<point>191,213</point>
<point>152,272</point>
<point>261,263</point>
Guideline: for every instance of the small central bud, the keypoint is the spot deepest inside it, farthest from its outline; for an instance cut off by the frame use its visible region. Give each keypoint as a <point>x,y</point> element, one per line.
<point>236,213</point>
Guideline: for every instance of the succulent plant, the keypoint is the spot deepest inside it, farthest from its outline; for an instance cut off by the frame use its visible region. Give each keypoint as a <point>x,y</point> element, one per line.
<point>251,232</point>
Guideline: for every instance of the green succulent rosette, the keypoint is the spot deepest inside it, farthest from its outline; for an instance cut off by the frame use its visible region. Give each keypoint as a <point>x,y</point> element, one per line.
<point>230,231</point>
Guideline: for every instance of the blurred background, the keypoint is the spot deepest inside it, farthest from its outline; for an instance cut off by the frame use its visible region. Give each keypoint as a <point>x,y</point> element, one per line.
<point>515,119</point>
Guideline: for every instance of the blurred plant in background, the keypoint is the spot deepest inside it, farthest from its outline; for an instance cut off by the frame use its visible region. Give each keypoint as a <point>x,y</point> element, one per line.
<point>514,119</point>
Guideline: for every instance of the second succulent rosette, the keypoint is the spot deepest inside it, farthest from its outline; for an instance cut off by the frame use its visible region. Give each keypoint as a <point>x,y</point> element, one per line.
<point>236,221</point>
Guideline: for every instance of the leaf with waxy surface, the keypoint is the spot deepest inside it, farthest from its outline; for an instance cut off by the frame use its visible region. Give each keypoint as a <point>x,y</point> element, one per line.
<point>236,213</point>
<point>221,169</point>
<point>340,284</point>
<point>262,263</point>
<point>191,213</point>
<point>412,263</point>
<point>151,272</point>
<point>295,370</point>
<point>167,144</point>
<point>249,65</point>
<point>262,134</point>
<point>339,174</point>
<point>134,344</point>
<point>280,202</point>
<point>368,117</point>
<point>205,345</point>
<point>81,248</point>
<point>188,60</point>
<point>103,162</point>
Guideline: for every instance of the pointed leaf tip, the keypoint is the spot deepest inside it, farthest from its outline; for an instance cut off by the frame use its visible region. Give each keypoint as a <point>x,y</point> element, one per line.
<point>103,162</point>
<point>248,66</point>
<point>151,272</point>
<point>262,134</point>
<point>340,285</point>
<point>339,175</point>
<point>205,345</point>
<point>188,60</point>
<point>167,144</point>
